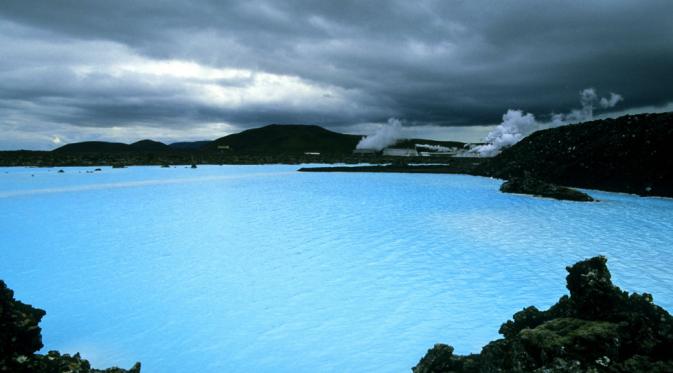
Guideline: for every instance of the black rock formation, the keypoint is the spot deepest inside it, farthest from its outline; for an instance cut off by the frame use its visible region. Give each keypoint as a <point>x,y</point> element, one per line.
<point>632,154</point>
<point>536,187</point>
<point>598,328</point>
<point>20,338</point>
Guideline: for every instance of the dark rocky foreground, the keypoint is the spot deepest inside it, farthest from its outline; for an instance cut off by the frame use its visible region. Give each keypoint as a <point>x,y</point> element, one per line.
<point>598,328</point>
<point>20,339</point>
<point>539,188</point>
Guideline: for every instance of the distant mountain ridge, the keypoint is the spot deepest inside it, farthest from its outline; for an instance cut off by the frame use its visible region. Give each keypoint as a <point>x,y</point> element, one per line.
<point>146,146</point>
<point>93,147</point>
<point>273,139</point>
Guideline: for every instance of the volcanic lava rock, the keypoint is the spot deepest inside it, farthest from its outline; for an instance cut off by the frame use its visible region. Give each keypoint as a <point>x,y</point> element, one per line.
<point>598,328</point>
<point>630,154</point>
<point>54,362</point>
<point>19,330</point>
<point>20,338</point>
<point>535,187</point>
<point>440,358</point>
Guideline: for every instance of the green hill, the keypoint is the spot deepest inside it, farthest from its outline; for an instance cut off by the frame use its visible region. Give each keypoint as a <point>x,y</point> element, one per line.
<point>286,139</point>
<point>149,146</point>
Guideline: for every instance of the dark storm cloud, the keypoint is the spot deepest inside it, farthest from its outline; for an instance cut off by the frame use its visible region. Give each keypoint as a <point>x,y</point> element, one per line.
<point>427,62</point>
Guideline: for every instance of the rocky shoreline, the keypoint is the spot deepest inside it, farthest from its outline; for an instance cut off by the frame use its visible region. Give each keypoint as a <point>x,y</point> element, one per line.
<point>21,338</point>
<point>538,188</point>
<point>25,158</point>
<point>598,328</point>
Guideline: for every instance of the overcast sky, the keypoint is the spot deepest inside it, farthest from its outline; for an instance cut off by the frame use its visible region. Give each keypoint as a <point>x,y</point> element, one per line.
<point>183,70</point>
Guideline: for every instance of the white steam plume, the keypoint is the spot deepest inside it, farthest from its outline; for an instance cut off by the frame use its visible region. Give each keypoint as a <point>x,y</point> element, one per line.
<point>516,125</point>
<point>385,136</point>
<point>614,99</point>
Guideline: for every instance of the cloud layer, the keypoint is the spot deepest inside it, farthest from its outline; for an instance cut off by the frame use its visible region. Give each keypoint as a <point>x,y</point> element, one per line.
<point>72,70</point>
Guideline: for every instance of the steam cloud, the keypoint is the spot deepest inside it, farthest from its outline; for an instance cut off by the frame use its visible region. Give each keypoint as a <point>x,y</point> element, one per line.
<point>512,129</point>
<point>610,102</point>
<point>387,135</point>
<point>516,125</point>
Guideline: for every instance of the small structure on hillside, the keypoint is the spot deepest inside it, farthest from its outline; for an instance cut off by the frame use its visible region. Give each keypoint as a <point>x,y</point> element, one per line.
<point>439,154</point>
<point>400,152</point>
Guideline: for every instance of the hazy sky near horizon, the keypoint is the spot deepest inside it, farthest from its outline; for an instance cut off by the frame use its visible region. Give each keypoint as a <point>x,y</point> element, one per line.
<point>175,70</point>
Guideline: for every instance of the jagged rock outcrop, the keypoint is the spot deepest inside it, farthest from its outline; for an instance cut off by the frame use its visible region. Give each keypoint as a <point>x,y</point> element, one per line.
<point>539,188</point>
<point>598,328</point>
<point>20,338</point>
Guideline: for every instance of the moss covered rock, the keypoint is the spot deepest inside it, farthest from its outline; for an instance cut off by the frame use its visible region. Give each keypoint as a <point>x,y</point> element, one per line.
<point>598,328</point>
<point>19,330</point>
<point>20,338</point>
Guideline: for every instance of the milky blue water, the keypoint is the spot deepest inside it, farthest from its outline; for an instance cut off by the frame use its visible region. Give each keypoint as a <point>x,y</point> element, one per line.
<point>264,269</point>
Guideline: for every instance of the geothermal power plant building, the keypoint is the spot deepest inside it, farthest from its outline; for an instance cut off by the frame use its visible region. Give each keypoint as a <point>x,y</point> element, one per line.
<point>400,152</point>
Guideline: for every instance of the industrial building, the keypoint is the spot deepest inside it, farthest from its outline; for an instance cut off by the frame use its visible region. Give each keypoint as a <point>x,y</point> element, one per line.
<point>400,152</point>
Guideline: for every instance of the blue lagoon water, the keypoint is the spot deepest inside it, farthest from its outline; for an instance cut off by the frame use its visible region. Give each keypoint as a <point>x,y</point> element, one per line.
<point>261,268</point>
